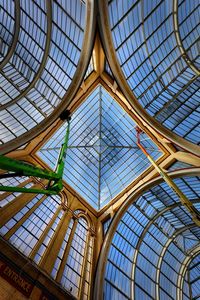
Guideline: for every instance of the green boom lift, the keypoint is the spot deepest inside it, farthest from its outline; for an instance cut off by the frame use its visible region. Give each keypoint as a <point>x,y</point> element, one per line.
<point>19,168</point>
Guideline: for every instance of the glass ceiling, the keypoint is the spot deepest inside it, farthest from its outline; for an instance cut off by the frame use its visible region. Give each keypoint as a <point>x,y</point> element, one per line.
<point>90,68</point>
<point>102,158</point>
<point>152,240</point>
<point>43,63</point>
<point>157,47</point>
<point>194,277</point>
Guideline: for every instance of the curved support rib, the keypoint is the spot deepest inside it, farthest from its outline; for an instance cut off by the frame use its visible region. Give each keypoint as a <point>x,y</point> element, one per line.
<point>121,80</point>
<point>180,281</point>
<point>16,35</point>
<point>44,59</point>
<point>86,51</point>
<point>179,41</point>
<point>141,240</point>
<point>164,250</point>
<point>98,291</point>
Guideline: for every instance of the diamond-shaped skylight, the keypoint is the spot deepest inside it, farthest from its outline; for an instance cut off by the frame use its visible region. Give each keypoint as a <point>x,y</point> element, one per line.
<point>103,157</point>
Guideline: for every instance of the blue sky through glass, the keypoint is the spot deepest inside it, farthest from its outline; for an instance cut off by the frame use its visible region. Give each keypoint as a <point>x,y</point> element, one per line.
<point>157,215</point>
<point>66,25</point>
<point>102,157</point>
<point>144,38</point>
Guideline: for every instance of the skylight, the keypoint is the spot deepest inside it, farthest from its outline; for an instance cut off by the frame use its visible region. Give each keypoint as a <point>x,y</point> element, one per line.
<point>102,157</point>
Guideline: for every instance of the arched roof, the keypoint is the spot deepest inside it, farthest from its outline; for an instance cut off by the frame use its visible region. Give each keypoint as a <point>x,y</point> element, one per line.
<point>152,50</point>
<point>41,70</point>
<point>148,242</point>
<point>152,58</point>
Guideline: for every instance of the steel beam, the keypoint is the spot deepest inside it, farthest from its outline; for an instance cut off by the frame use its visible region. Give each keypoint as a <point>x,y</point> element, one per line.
<point>15,34</point>
<point>180,281</point>
<point>100,272</point>
<point>86,51</point>
<point>44,59</point>
<point>183,52</point>
<point>107,40</point>
<point>162,254</point>
<point>152,221</point>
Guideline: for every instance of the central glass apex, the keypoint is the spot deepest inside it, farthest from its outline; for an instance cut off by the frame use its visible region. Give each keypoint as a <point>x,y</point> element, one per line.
<point>102,157</point>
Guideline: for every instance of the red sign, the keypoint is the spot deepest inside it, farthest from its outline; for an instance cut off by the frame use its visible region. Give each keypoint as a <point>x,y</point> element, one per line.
<point>15,279</point>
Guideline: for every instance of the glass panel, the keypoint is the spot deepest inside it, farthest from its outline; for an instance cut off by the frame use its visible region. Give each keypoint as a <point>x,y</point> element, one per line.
<point>157,72</point>
<point>194,277</point>
<point>103,157</point>
<point>7,25</point>
<point>62,250</point>
<point>90,68</point>
<point>106,225</point>
<point>72,275</point>
<point>87,283</point>
<point>108,69</point>
<point>12,196</point>
<point>146,243</point>
<point>48,238</point>
<point>179,165</point>
<point>68,22</point>
<point>28,234</point>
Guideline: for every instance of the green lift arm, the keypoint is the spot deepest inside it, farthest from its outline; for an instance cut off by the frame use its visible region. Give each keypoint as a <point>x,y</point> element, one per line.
<point>19,168</point>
